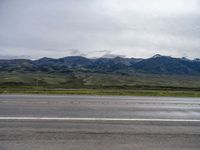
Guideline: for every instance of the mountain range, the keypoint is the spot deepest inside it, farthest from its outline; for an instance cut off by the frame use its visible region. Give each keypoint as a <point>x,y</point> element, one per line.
<point>157,64</point>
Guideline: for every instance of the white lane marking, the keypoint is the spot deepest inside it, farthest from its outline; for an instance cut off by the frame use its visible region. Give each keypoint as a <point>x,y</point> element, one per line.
<point>98,119</point>
<point>105,102</point>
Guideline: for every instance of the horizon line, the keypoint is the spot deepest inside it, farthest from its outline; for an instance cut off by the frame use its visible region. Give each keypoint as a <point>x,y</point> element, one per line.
<point>117,56</point>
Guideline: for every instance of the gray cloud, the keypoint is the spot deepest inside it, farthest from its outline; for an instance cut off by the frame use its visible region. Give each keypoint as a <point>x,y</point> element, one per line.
<point>134,28</point>
<point>14,57</point>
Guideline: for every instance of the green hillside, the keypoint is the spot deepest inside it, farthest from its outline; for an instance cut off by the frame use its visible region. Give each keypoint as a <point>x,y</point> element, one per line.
<point>100,84</point>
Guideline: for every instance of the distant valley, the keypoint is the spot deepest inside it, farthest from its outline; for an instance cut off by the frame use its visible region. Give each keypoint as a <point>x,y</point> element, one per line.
<point>157,76</point>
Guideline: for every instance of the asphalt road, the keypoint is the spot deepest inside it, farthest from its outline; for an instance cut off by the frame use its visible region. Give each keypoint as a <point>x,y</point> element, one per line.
<point>162,129</point>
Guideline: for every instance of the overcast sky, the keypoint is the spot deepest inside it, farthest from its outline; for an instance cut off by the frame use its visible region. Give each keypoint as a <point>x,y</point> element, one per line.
<point>93,28</point>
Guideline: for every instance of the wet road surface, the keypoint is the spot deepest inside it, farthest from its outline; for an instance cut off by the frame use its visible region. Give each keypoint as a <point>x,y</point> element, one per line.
<point>162,128</point>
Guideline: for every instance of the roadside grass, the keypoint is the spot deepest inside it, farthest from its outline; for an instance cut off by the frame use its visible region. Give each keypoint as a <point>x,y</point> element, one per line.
<point>108,92</point>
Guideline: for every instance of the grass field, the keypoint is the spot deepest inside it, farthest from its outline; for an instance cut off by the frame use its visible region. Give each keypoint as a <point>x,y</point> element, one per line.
<point>106,92</point>
<point>100,84</point>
